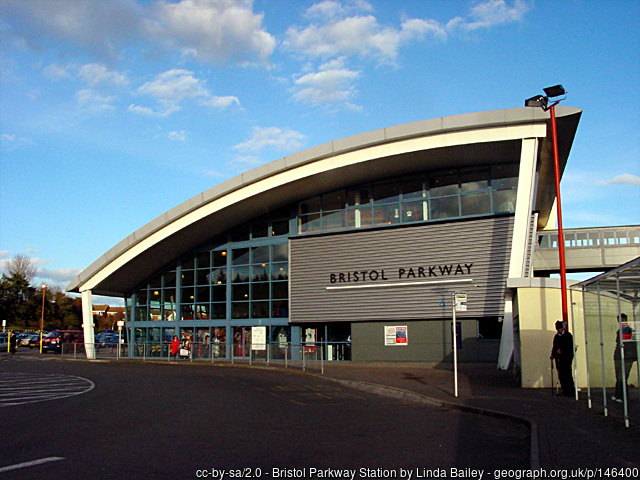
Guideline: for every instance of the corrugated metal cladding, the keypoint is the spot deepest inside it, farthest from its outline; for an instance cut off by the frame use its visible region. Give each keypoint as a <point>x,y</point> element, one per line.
<point>400,273</point>
<point>530,245</point>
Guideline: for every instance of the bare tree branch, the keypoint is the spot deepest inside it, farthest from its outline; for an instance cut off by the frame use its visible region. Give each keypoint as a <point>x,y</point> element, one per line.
<point>22,265</point>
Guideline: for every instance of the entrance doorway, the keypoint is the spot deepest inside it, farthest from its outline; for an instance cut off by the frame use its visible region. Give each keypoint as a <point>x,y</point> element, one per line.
<point>241,342</point>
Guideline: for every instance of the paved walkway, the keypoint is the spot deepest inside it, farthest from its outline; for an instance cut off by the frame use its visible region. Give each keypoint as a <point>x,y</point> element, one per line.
<point>565,433</point>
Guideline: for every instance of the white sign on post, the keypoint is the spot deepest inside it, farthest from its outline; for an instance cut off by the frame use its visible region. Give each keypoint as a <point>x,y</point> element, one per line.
<point>461,302</point>
<point>460,305</point>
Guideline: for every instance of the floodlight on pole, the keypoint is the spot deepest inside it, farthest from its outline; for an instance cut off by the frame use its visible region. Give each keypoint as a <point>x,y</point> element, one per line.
<point>543,102</point>
<point>555,91</point>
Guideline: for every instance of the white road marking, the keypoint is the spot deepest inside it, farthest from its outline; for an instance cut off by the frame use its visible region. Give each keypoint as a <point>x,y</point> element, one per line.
<point>30,464</point>
<point>19,388</point>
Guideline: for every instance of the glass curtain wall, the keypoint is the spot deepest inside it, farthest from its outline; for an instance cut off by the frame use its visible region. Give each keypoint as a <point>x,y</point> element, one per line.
<point>419,198</point>
<point>203,298</point>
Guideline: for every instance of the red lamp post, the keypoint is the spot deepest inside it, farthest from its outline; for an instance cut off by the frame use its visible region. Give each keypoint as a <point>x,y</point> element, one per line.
<point>542,101</point>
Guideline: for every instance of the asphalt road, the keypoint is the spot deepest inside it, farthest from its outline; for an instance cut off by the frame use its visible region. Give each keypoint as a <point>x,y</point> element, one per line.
<point>137,420</point>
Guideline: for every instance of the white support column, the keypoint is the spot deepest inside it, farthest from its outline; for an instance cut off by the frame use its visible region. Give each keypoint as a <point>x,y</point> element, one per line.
<point>524,206</point>
<point>519,244</point>
<point>87,324</point>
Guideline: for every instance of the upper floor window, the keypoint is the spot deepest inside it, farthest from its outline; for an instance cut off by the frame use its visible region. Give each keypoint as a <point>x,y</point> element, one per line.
<point>439,195</point>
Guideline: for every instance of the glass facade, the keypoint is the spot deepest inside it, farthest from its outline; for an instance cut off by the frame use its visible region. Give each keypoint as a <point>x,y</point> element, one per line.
<point>212,297</point>
<point>420,198</point>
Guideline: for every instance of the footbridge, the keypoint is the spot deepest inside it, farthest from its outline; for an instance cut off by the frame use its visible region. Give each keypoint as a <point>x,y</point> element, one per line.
<point>586,249</point>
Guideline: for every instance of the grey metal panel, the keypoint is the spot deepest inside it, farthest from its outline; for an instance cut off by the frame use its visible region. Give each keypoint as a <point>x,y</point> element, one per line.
<point>476,252</point>
<point>427,341</point>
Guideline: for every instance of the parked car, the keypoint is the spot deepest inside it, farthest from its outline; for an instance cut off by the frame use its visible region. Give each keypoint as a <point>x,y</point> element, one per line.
<point>34,341</point>
<point>55,340</point>
<point>108,340</point>
<point>25,340</point>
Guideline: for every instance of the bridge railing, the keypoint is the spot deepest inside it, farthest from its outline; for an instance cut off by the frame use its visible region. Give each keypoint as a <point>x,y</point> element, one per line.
<point>591,237</point>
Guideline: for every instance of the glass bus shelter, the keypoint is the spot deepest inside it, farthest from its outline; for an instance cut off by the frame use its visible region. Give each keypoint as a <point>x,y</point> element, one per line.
<point>612,332</point>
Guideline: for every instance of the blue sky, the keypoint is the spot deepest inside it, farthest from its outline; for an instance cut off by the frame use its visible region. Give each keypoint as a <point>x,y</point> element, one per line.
<point>113,112</point>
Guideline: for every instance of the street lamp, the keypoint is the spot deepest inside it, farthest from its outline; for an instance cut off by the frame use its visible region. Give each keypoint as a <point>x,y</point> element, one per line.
<point>542,101</point>
<point>44,289</point>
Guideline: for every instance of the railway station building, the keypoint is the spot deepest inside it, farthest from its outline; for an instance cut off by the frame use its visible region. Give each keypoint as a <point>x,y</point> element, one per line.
<point>356,248</point>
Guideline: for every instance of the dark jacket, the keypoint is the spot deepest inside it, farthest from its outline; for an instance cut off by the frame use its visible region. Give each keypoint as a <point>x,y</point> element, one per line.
<point>630,347</point>
<point>563,343</point>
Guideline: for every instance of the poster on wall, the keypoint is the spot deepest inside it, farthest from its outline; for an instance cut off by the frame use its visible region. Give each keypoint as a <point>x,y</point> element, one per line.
<point>396,335</point>
<point>258,338</point>
<point>310,335</point>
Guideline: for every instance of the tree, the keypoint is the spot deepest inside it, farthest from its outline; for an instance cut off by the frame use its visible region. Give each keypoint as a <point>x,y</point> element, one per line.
<point>18,303</point>
<point>21,303</point>
<point>21,265</point>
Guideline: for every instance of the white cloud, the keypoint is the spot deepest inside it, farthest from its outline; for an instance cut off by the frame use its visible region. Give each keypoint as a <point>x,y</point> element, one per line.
<point>222,102</point>
<point>624,179</point>
<point>215,31</point>
<point>57,72</point>
<point>149,112</point>
<point>244,163</point>
<point>349,31</point>
<point>333,9</point>
<point>175,136</point>
<point>174,85</point>
<point>336,34</point>
<point>140,110</point>
<point>361,36</point>
<point>333,85</point>
<point>493,13</point>
<point>10,141</point>
<point>94,101</point>
<point>100,28</point>
<point>272,137</point>
<point>64,275</point>
<point>95,74</point>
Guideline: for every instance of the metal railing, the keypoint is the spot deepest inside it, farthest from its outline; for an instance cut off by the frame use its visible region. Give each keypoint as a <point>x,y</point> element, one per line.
<point>591,237</point>
<point>304,355</point>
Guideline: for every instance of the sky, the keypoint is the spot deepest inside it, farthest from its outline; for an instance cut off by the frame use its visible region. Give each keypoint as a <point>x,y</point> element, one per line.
<point>114,111</point>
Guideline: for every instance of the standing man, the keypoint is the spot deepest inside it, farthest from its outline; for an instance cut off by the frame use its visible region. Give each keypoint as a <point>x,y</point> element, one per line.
<point>623,361</point>
<point>562,353</point>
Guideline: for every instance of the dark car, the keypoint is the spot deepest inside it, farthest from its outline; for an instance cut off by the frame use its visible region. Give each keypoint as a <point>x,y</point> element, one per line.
<point>57,338</point>
<point>34,341</point>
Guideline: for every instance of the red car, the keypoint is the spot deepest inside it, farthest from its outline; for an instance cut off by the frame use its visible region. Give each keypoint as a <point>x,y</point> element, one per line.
<point>55,339</point>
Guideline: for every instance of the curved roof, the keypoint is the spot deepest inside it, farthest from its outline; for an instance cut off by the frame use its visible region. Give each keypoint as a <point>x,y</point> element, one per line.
<point>457,141</point>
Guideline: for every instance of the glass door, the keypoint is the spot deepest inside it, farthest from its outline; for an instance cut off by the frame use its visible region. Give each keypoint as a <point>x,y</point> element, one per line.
<point>241,342</point>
